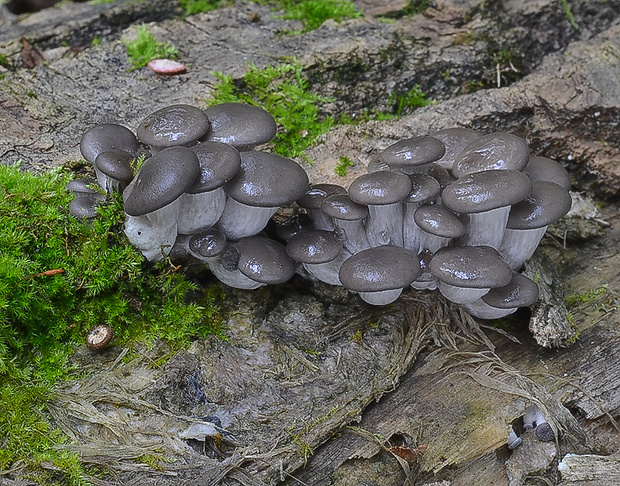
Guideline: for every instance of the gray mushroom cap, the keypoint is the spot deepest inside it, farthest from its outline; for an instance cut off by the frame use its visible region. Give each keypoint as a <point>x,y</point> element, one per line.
<point>218,164</point>
<point>161,180</point>
<point>520,292</point>
<point>207,243</point>
<point>264,260</point>
<point>545,169</point>
<point>241,125</point>
<point>340,206</point>
<point>486,190</point>
<point>116,164</point>
<point>499,150</point>
<point>314,197</point>
<point>470,267</point>
<point>423,188</point>
<point>84,207</point>
<point>267,180</point>
<point>172,126</point>
<point>454,140</point>
<point>406,154</point>
<point>380,268</point>
<point>547,203</point>
<point>85,186</point>
<point>107,136</point>
<point>439,221</point>
<point>314,246</point>
<point>380,188</point>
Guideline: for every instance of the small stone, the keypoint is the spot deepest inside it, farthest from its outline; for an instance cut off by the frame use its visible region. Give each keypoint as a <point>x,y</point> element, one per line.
<point>166,67</point>
<point>99,337</point>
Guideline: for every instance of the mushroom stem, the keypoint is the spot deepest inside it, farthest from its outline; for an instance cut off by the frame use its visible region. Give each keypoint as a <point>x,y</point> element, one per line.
<point>152,240</point>
<point>411,231</point>
<point>461,295</point>
<point>518,245</point>
<point>385,224</point>
<point>482,310</point>
<point>239,220</point>
<point>382,297</point>
<point>328,272</point>
<point>485,228</point>
<point>352,234</point>
<point>200,211</point>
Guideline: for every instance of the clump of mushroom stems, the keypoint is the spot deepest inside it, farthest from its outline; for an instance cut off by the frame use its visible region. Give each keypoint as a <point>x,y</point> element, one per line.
<point>234,217</point>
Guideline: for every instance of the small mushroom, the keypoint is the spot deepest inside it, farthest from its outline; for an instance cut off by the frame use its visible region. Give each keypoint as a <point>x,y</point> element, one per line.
<point>107,136</point>
<point>113,170</point>
<point>84,207</point>
<point>513,440</point>
<point>412,154</point>
<point>99,337</point>
<point>383,193</point>
<point>311,201</point>
<point>348,218</point>
<point>496,151</point>
<point>87,187</point>
<point>424,189</point>
<point>241,125</point>
<point>438,225</point>
<point>206,245</point>
<point>263,183</point>
<point>502,301</point>
<point>484,199</point>
<point>534,419</point>
<point>225,267</point>
<point>379,274</point>
<point>466,273</point>
<point>203,203</point>
<point>545,169</point>
<point>172,126</point>
<point>528,221</point>
<point>320,252</point>
<point>264,260</point>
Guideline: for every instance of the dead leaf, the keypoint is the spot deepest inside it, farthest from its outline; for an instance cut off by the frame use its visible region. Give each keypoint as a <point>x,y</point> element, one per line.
<point>31,55</point>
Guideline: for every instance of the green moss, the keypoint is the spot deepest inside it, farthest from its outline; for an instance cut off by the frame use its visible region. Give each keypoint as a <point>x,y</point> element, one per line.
<point>145,48</point>
<point>192,7</point>
<point>402,103</point>
<point>58,278</point>
<point>343,164</point>
<point>575,300</point>
<point>312,13</point>
<point>282,91</point>
<point>569,14</point>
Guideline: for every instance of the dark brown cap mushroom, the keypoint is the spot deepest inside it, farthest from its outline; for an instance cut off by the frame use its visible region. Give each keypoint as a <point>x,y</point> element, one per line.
<point>383,193</point>
<point>379,274</point>
<point>439,226</point>
<point>466,273</point>
<point>241,125</point>
<point>84,207</point>
<point>207,244</point>
<point>545,169</point>
<point>413,154</point>
<point>85,186</point>
<point>171,126</point>
<point>502,301</point>
<point>349,218</point>
<point>316,250</point>
<point>263,183</point>
<point>496,151</point>
<point>424,188</point>
<point>107,136</point>
<point>311,201</point>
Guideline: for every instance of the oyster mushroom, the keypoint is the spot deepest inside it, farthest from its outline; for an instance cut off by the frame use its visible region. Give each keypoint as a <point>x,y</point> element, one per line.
<point>496,151</point>
<point>113,170</point>
<point>263,183</point>
<point>107,136</point>
<point>348,218</point>
<point>502,301</point>
<point>320,252</point>
<point>424,189</point>
<point>412,155</point>
<point>379,274</point>
<point>311,201</point>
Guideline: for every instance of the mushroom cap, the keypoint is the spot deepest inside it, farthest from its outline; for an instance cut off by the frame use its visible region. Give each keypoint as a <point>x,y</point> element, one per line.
<point>547,203</point>
<point>86,186</point>
<point>264,260</point>
<point>423,188</point>
<point>107,136</point>
<point>161,180</point>
<point>173,125</point>
<point>412,152</point>
<point>84,207</point>
<point>99,337</point>
<point>520,292</point>
<point>439,220</point>
<point>544,432</point>
<point>241,125</point>
<point>340,206</point>
<point>471,267</point>
<point>498,150</point>
<point>486,190</point>
<point>380,268</point>
<point>208,243</point>
<point>545,169</point>
<point>313,198</point>
<point>116,164</point>
<point>454,140</point>
<point>379,188</point>
<point>218,164</point>
<point>314,246</point>
<point>267,180</point>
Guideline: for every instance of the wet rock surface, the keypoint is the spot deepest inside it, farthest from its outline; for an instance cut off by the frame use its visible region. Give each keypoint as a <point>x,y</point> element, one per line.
<point>292,394</point>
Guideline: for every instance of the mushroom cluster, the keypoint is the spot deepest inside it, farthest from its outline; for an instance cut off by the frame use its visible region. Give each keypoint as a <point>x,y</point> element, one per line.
<point>456,211</point>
